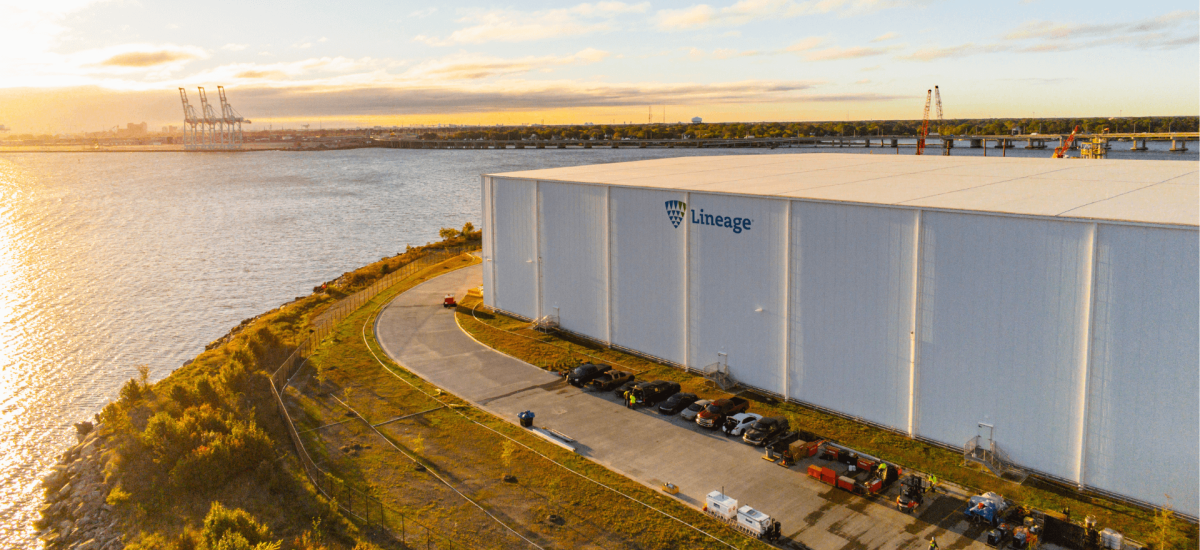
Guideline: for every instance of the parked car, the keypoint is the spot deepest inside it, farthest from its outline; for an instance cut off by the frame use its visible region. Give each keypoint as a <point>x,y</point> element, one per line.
<point>654,391</point>
<point>763,430</point>
<point>677,402</point>
<point>620,391</point>
<point>736,425</point>
<point>714,414</point>
<point>610,380</point>
<point>586,373</point>
<point>694,409</point>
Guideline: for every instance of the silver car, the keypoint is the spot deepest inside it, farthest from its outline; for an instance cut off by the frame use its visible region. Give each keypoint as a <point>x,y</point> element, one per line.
<point>694,409</point>
<point>741,421</point>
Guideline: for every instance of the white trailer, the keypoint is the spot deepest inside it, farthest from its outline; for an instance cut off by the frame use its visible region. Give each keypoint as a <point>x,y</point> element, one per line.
<point>721,506</point>
<point>753,522</point>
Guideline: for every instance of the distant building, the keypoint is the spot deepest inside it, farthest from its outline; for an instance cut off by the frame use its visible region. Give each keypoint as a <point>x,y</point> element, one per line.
<point>132,129</point>
<point>696,120</point>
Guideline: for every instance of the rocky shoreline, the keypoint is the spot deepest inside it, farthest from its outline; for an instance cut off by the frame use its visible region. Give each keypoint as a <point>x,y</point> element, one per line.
<point>75,514</point>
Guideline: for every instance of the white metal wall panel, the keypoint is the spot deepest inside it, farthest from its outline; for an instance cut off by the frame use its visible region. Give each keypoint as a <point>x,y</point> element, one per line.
<point>1143,432</point>
<point>516,263</point>
<point>1003,334</point>
<point>573,248</point>
<point>648,259</point>
<point>737,288</point>
<point>851,309</point>
<point>489,232</point>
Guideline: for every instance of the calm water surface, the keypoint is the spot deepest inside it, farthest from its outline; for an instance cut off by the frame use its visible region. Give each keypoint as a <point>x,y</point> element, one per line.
<point>113,260</point>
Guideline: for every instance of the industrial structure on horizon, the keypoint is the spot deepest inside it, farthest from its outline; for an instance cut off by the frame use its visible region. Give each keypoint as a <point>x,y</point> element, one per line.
<point>1038,314</point>
<point>206,130</point>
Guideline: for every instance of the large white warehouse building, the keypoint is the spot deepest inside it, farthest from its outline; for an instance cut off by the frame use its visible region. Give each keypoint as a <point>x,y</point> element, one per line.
<point>1056,300</point>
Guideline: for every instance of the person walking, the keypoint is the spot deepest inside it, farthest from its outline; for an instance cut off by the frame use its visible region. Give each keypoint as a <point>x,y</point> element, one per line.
<point>933,545</point>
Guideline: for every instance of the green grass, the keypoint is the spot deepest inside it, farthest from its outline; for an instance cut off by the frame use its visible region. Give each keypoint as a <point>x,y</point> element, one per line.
<point>557,352</point>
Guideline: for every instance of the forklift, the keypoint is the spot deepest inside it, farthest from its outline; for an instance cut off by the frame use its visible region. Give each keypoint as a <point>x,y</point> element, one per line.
<point>912,493</point>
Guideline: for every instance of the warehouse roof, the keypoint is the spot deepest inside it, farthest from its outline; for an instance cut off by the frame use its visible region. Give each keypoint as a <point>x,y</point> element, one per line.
<point>1142,191</point>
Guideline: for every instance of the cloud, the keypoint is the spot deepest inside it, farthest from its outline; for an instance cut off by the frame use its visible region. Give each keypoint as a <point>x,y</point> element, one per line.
<point>474,67</point>
<point>234,47</point>
<point>1165,32</point>
<point>519,96</point>
<point>834,53</point>
<point>423,13</point>
<point>962,50</point>
<point>147,59</point>
<point>805,45</point>
<point>701,16</point>
<point>507,25</point>
<point>885,37</point>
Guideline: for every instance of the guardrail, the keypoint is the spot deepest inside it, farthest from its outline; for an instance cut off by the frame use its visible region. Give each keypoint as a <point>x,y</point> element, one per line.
<point>354,502</point>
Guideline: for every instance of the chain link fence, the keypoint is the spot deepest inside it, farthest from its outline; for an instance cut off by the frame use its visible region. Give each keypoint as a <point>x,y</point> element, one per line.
<point>367,509</point>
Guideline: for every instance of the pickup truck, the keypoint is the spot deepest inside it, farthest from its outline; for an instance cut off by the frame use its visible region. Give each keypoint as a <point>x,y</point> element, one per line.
<point>610,380</point>
<point>764,430</point>
<point>586,373</point>
<point>654,391</point>
<point>714,414</point>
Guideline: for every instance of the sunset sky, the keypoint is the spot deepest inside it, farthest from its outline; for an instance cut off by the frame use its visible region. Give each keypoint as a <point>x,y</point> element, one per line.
<point>83,65</point>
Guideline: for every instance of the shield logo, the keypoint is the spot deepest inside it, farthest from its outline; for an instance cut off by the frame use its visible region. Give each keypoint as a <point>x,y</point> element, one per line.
<point>675,210</point>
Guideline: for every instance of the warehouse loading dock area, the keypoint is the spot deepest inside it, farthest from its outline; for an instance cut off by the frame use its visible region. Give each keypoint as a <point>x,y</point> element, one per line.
<point>1054,301</point>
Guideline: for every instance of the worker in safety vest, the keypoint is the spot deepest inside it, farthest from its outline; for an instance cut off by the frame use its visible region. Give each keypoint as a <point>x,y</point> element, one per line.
<point>933,483</point>
<point>882,471</point>
<point>632,400</point>
<point>933,544</point>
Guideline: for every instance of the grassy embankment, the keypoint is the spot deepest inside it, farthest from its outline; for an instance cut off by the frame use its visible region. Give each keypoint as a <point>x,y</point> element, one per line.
<point>557,352</point>
<point>473,450</point>
<point>210,433</point>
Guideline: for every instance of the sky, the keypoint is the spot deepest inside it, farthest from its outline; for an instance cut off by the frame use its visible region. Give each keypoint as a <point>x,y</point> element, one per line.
<point>90,65</point>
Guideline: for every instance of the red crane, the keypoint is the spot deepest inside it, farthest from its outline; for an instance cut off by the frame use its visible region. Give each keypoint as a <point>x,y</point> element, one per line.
<point>1061,149</point>
<point>924,124</point>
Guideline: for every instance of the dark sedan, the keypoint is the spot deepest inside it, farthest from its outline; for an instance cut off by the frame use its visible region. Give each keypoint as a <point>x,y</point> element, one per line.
<point>676,403</point>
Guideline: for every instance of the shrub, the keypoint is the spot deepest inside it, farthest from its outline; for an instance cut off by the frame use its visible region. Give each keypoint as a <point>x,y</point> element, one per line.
<point>207,392</point>
<point>182,395</point>
<point>131,392</point>
<point>117,497</point>
<point>222,522</point>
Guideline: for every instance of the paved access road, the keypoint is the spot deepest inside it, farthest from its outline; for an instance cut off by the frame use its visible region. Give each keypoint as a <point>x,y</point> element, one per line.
<point>417,332</point>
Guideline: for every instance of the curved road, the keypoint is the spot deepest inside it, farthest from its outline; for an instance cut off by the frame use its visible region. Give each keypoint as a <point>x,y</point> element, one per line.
<point>417,332</point>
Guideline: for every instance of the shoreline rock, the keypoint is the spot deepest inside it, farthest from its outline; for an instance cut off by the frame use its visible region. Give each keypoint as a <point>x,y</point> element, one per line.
<point>74,514</point>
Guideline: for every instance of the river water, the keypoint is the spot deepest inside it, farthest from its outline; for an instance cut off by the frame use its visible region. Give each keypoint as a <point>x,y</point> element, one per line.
<point>113,260</point>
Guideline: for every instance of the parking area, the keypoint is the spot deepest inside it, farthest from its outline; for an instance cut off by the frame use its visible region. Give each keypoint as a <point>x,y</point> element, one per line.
<point>417,332</point>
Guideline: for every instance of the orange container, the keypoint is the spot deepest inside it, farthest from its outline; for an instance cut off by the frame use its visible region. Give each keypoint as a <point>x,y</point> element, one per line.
<point>814,471</point>
<point>829,476</point>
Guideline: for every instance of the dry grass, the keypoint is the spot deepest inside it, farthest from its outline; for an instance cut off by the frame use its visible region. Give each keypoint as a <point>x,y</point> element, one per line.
<point>556,352</point>
<point>469,451</point>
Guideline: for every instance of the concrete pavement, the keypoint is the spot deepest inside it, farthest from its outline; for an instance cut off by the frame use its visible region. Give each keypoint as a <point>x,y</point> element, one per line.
<point>418,333</point>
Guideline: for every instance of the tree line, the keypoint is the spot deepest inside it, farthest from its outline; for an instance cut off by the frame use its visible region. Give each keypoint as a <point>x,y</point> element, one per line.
<point>738,130</point>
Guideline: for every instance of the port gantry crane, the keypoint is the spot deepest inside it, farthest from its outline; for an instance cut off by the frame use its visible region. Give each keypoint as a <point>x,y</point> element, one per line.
<point>207,130</point>
<point>924,125</point>
<point>191,137</point>
<point>232,121</point>
<point>214,124</point>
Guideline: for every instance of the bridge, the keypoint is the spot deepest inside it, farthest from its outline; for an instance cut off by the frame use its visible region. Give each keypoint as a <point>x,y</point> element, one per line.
<point>1031,141</point>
